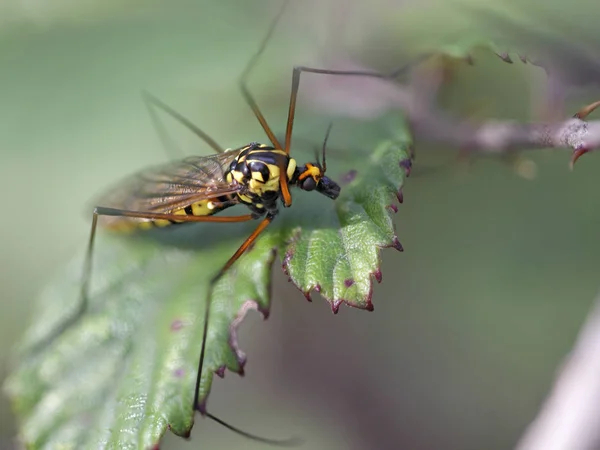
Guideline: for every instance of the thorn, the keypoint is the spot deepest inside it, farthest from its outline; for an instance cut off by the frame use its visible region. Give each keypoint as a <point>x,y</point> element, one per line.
<point>586,110</point>
<point>469,59</point>
<point>393,208</point>
<point>406,164</point>
<point>576,155</point>
<point>523,59</point>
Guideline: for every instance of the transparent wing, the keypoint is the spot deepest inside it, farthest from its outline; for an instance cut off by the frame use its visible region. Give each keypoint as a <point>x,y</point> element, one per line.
<point>172,186</point>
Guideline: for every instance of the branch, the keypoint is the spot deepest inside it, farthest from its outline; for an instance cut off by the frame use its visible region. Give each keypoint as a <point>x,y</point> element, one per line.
<point>569,419</point>
<point>366,97</point>
<point>501,136</point>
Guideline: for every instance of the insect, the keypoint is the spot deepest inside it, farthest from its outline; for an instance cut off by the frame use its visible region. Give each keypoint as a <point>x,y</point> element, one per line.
<point>198,188</point>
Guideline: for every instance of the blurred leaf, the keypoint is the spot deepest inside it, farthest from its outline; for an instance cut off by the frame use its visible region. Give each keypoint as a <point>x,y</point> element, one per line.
<point>125,372</point>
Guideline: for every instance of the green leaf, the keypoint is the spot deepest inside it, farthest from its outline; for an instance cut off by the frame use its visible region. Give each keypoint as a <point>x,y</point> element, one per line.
<point>124,373</point>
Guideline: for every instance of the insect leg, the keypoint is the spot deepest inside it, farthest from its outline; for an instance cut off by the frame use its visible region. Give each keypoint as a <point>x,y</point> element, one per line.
<point>244,80</point>
<point>153,103</point>
<point>296,84</point>
<point>87,267</point>
<point>102,211</point>
<point>259,229</point>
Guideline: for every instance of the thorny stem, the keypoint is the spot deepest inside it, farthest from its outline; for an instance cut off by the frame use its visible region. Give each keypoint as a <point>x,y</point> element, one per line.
<point>416,98</point>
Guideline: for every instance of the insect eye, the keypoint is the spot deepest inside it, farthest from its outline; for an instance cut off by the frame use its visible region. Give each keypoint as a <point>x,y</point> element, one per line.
<point>308,184</point>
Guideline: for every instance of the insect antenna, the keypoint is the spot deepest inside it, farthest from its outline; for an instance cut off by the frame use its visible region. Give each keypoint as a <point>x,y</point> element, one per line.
<point>325,146</point>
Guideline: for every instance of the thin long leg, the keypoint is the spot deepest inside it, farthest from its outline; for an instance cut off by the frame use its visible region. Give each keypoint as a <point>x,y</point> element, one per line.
<point>153,102</point>
<point>102,211</point>
<point>87,267</point>
<point>291,442</point>
<point>259,229</point>
<point>284,442</point>
<point>244,79</point>
<point>254,106</point>
<point>296,84</point>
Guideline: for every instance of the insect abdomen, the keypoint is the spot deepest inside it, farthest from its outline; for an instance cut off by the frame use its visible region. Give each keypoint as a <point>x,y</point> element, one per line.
<point>201,208</point>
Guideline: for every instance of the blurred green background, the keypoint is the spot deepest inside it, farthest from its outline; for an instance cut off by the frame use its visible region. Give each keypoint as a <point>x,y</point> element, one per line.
<point>471,322</point>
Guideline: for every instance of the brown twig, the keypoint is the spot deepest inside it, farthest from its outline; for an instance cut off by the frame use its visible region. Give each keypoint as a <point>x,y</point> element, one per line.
<point>367,97</point>
<point>569,418</point>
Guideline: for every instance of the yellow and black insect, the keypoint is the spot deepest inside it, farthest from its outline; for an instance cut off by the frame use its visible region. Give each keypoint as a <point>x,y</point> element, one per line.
<point>197,188</point>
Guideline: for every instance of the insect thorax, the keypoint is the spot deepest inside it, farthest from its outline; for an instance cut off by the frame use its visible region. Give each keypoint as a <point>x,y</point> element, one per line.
<point>257,168</point>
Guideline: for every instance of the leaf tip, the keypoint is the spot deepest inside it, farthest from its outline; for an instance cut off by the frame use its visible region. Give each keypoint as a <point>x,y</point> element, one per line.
<point>406,164</point>
<point>335,306</point>
<point>400,196</point>
<point>378,275</point>
<point>397,245</point>
<point>504,56</point>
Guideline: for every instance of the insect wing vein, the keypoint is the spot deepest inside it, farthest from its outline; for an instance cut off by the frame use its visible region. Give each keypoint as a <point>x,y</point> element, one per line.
<point>172,186</point>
